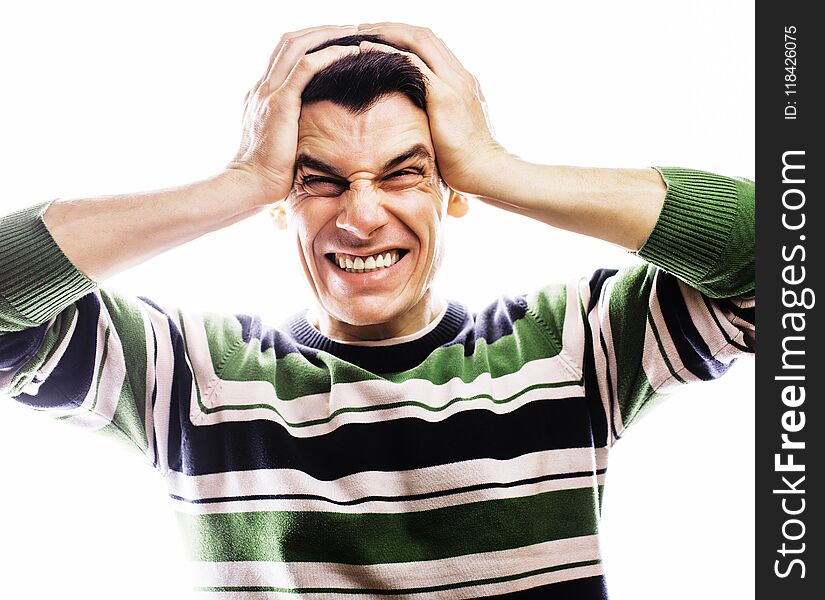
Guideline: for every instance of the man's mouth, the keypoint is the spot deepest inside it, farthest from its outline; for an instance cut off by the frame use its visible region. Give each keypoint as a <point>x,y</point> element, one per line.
<point>352,263</point>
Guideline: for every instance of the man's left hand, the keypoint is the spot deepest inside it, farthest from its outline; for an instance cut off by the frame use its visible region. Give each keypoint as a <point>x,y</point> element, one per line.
<point>466,151</point>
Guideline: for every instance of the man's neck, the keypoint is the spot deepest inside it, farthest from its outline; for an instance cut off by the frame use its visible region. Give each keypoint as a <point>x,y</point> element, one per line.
<point>417,318</point>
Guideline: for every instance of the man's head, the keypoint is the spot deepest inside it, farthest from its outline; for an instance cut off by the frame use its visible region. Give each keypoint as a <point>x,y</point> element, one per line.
<point>367,190</point>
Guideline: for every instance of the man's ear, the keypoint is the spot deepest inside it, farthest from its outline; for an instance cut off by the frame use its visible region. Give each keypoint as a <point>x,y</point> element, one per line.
<point>457,205</point>
<point>278,214</point>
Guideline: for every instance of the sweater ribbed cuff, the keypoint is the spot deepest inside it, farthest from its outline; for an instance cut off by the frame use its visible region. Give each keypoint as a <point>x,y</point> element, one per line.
<point>36,278</point>
<point>694,225</point>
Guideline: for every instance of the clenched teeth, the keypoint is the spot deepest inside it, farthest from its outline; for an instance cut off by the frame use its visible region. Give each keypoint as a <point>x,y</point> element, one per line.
<point>360,264</point>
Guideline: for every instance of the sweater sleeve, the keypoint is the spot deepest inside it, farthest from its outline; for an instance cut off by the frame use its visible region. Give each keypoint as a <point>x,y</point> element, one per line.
<point>637,334</point>
<point>88,354</point>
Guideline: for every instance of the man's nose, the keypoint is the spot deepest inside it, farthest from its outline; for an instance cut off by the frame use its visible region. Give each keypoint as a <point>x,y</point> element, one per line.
<point>361,209</point>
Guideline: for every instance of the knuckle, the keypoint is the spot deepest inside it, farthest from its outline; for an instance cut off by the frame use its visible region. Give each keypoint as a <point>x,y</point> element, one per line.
<point>423,33</point>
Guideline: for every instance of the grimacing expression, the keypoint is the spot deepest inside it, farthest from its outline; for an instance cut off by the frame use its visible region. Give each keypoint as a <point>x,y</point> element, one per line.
<point>367,189</point>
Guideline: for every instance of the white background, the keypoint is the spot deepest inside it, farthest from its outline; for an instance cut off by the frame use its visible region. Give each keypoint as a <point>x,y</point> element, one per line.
<point>112,97</point>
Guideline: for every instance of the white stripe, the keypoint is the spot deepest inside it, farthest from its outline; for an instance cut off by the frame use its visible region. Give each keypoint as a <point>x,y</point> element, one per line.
<point>597,317</point>
<point>384,507</point>
<point>388,394</point>
<point>163,373</point>
<point>492,589</point>
<point>665,337</point>
<point>708,328</point>
<point>389,483</point>
<point>655,368</point>
<point>573,331</point>
<point>425,573</point>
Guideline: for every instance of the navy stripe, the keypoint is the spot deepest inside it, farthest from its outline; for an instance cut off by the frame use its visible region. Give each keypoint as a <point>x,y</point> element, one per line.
<point>17,347</point>
<point>591,384</point>
<point>746,314</point>
<point>180,393</point>
<point>730,340</point>
<point>587,588</point>
<point>356,501</point>
<point>494,322</point>
<point>69,382</point>
<point>392,445</point>
<point>691,347</point>
<point>154,392</point>
<point>614,402</point>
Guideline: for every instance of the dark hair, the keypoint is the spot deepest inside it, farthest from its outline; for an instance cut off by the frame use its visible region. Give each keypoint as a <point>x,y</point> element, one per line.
<point>358,81</point>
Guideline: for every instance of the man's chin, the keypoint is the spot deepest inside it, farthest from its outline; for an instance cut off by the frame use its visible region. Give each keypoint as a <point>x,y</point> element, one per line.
<point>361,313</point>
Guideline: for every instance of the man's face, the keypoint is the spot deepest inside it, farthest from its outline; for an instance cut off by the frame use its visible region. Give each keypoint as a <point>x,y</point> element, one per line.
<point>352,202</point>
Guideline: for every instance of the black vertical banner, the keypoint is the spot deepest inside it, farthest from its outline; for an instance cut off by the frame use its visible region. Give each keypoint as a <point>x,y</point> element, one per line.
<point>790,418</point>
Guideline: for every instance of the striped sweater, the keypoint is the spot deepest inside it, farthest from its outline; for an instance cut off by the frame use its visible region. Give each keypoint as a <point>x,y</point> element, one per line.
<point>469,462</point>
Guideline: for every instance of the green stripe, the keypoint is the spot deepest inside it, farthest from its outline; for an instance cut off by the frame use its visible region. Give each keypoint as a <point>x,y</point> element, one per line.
<point>398,591</point>
<point>548,307</point>
<point>125,424</point>
<point>296,377</point>
<point>375,538</point>
<point>628,307</point>
<point>127,319</point>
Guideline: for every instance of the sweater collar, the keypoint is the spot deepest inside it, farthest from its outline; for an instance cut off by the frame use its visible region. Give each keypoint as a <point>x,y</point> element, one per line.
<point>383,359</point>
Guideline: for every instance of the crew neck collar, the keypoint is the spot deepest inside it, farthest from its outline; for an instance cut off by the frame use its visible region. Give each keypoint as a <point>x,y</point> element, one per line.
<point>384,358</point>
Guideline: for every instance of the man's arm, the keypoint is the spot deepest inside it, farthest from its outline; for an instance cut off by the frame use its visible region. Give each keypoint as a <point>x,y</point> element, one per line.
<point>103,236</point>
<point>108,361</point>
<point>658,215</point>
<point>697,225</point>
<point>620,206</point>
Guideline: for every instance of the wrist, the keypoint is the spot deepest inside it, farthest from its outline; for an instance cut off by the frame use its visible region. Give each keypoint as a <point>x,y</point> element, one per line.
<point>249,187</point>
<point>498,177</point>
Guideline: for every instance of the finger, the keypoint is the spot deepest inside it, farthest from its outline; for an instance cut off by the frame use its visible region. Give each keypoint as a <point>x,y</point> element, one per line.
<point>416,60</point>
<point>293,46</point>
<point>423,42</point>
<point>284,37</point>
<point>442,47</point>
<point>309,64</point>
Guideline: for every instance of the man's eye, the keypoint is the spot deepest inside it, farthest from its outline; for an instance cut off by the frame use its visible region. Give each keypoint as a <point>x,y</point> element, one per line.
<point>406,178</point>
<point>323,186</point>
<point>402,173</point>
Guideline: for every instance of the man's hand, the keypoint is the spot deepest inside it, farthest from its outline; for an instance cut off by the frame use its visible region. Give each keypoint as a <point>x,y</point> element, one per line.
<point>459,125</point>
<point>273,106</point>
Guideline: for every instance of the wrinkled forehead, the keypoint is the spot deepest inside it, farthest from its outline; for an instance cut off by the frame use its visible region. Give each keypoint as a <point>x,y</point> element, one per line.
<point>331,134</point>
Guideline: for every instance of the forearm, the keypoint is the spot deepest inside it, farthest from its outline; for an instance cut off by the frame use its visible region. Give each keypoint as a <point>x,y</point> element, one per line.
<point>620,206</point>
<point>105,235</point>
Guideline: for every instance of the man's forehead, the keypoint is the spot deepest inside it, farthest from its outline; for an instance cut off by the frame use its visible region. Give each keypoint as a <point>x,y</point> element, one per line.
<point>392,130</point>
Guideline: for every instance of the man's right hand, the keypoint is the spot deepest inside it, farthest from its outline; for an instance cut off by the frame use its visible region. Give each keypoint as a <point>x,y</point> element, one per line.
<point>273,106</point>
<point>104,235</point>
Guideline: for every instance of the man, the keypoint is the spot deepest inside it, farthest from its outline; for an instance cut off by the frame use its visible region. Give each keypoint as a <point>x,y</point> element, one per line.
<point>388,441</point>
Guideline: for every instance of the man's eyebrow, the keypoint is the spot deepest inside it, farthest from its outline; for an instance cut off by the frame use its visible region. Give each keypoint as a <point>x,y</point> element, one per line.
<point>419,151</point>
